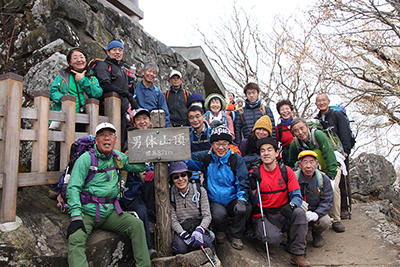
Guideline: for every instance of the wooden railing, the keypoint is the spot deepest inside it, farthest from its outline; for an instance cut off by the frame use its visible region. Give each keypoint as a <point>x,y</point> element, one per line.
<point>11,114</point>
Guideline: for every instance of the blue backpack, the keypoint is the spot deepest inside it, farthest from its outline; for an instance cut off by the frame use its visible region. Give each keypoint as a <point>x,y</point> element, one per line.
<point>342,109</point>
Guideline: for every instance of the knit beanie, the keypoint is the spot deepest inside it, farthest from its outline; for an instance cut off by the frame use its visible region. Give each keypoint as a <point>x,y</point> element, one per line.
<point>115,43</point>
<point>264,123</point>
<point>195,97</point>
<point>219,131</point>
<point>266,140</point>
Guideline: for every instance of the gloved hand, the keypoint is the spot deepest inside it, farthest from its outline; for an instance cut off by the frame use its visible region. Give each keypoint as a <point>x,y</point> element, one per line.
<point>304,206</point>
<point>132,101</point>
<point>311,216</point>
<point>287,211</point>
<point>186,238</point>
<point>74,226</point>
<point>254,177</point>
<point>197,237</point>
<point>149,176</point>
<point>240,207</point>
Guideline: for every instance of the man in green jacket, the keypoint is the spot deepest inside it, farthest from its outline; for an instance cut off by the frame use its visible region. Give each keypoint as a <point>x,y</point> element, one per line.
<point>94,203</point>
<point>326,158</point>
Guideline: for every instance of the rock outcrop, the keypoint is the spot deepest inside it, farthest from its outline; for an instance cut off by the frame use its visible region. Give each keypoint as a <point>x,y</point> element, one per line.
<point>372,174</point>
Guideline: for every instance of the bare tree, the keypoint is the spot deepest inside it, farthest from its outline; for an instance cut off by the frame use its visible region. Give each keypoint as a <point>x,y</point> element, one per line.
<point>363,38</point>
<point>279,62</point>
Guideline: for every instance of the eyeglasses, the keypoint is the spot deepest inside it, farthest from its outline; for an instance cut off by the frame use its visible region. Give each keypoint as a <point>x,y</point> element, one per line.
<point>224,145</point>
<point>117,49</point>
<point>197,117</point>
<point>176,177</point>
<point>77,58</point>
<point>103,135</point>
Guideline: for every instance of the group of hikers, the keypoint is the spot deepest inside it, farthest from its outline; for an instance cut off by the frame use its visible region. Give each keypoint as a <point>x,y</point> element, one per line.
<point>247,176</point>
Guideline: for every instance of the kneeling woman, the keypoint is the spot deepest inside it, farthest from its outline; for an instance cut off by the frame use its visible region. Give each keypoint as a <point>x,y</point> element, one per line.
<point>190,211</point>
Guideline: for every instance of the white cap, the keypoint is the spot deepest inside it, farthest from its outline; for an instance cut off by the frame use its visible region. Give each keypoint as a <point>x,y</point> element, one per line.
<point>104,125</point>
<point>175,72</point>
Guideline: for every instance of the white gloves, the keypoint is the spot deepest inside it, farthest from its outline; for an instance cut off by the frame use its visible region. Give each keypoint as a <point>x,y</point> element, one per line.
<point>311,216</point>
<point>304,206</point>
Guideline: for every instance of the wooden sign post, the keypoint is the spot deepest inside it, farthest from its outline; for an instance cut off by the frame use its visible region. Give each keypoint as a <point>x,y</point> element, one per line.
<point>160,146</point>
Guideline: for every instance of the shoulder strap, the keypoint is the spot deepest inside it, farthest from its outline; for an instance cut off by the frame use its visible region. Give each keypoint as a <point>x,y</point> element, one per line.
<point>283,169</point>
<point>262,109</point>
<point>241,113</point>
<point>173,203</point>
<point>186,93</point>
<point>297,142</point>
<point>233,162</point>
<point>313,139</point>
<point>93,169</point>
<point>166,95</point>
<point>157,93</point>
<point>196,194</point>
<point>319,179</point>
<point>206,162</point>
<point>280,131</point>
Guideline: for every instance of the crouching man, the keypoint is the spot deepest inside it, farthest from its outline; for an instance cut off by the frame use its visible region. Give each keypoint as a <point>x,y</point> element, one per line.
<point>281,202</point>
<point>93,203</point>
<point>317,192</point>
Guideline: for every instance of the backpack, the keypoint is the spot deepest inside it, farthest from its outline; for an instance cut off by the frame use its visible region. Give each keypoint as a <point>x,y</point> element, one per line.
<point>197,193</point>
<point>79,147</point>
<point>94,63</point>
<point>185,92</point>
<point>342,109</point>
<point>262,109</point>
<point>319,179</point>
<point>333,138</point>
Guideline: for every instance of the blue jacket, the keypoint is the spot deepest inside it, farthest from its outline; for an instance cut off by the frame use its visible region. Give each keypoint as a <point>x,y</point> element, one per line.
<point>222,186</point>
<point>149,99</point>
<point>250,115</point>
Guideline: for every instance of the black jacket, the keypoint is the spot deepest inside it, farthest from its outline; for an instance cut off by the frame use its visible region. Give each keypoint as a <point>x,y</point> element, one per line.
<point>341,129</point>
<point>176,101</point>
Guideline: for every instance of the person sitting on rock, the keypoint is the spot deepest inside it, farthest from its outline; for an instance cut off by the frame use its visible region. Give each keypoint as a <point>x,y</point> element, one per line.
<point>317,193</point>
<point>225,178</point>
<point>190,211</point>
<point>281,202</point>
<point>94,204</point>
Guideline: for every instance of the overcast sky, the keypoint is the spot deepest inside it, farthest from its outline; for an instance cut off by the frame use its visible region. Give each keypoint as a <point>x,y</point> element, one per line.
<point>171,22</point>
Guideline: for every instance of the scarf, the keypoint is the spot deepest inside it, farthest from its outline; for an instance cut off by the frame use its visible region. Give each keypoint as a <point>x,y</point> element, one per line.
<point>251,143</point>
<point>253,105</point>
<point>288,122</point>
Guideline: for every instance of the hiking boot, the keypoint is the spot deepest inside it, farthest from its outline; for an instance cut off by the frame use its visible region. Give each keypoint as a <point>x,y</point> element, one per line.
<point>237,243</point>
<point>216,261</point>
<point>338,227</point>
<point>299,261</point>
<point>318,240</point>
<point>221,237</point>
<point>153,253</point>
<point>53,194</point>
<point>344,214</point>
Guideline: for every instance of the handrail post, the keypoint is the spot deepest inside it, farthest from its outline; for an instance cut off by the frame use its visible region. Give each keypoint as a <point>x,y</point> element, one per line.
<point>92,109</point>
<point>11,98</point>
<point>112,107</point>
<point>67,128</point>
<point>41,126</point>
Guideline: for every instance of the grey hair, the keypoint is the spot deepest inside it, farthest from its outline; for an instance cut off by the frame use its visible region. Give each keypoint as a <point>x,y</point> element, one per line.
<point>296,121</point>
<point>150,65</point>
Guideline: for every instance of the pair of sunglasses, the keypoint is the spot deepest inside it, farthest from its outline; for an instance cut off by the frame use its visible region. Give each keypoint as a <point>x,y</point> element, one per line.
<point>176,177</point>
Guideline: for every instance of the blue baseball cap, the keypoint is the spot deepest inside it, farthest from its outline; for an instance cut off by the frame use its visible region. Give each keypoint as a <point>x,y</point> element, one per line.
<point>115,43</point>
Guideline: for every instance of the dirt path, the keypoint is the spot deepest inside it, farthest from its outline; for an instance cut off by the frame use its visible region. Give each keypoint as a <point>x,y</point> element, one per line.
<point>362,244</point>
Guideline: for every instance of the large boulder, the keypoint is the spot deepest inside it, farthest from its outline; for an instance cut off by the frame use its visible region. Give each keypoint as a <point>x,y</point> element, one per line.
<point>372,174</point>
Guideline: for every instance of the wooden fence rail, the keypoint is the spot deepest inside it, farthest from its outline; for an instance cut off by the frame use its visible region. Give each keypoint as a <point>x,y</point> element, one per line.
<point>11,114</point>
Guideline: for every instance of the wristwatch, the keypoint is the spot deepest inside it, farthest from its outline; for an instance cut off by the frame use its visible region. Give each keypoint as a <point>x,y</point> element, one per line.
<point>293,206</point>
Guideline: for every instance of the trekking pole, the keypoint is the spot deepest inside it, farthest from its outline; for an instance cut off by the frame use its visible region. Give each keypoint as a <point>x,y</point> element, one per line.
<point>348,197</point>
<point>262,221</point>
<point>208,257</point>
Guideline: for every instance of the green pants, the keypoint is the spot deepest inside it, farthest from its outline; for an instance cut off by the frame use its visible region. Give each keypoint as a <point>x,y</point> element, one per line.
<point>125,223</point>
